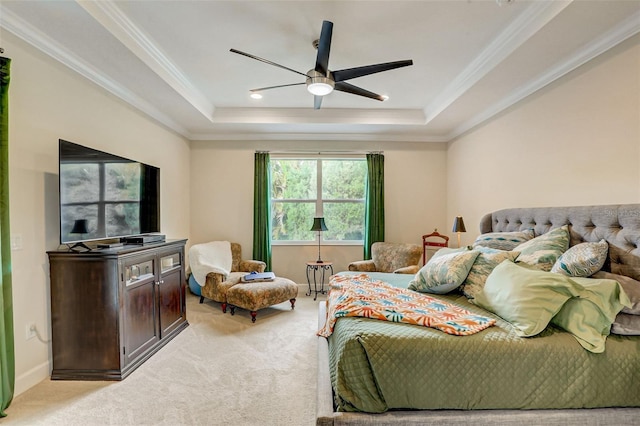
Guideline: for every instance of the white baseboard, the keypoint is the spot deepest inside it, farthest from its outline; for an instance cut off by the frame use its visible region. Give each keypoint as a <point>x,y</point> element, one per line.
<point>31,378</point>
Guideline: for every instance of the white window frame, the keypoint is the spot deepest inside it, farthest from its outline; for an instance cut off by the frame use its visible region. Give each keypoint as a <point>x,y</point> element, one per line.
<point>318,200</point>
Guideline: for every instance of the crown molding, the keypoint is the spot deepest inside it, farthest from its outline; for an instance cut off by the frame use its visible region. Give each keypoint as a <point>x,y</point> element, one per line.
<point>111,17</point>
<point>527,24</point>
<point>315,136</point>
<point>393,117</point>
<point>33,36</point>
<point>628,28</point>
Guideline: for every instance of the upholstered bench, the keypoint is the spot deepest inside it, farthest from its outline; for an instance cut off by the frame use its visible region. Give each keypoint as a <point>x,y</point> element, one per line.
<point>258,295</point>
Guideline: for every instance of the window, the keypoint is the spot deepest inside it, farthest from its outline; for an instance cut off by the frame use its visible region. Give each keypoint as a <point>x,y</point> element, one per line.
<point>329,187</point>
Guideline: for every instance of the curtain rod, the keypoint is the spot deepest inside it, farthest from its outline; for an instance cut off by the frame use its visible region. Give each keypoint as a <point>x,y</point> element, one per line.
<point>316,152</point>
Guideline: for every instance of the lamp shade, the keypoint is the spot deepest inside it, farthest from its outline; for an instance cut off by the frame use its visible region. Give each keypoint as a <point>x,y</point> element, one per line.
<point>318,224</point>
<point>80,227</point>
<point>458,225</point>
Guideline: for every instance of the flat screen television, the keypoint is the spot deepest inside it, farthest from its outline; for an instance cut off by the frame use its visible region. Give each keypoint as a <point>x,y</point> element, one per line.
<point>104,196</point>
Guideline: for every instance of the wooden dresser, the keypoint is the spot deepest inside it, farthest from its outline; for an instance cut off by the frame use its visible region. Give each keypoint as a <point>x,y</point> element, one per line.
<point>111,309</point>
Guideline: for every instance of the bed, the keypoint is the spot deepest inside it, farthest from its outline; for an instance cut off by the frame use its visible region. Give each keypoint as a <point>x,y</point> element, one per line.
<point>508,381</point>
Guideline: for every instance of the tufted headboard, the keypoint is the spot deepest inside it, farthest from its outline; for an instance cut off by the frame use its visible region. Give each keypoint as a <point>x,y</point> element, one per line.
<point>619,225</point>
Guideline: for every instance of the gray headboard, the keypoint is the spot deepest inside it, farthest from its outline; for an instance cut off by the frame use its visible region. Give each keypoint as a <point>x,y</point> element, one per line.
<point>618,224</point>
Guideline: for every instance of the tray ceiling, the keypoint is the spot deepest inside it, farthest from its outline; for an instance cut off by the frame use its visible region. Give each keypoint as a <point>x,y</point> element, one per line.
<point>171,60</point>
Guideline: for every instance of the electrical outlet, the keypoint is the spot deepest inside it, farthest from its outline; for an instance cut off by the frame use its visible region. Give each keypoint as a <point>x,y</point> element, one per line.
<point>16,242</point>
<point>31,330</point>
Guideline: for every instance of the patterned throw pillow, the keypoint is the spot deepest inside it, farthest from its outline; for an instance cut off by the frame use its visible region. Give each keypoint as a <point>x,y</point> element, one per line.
<point>543,251</point>
<point>503,240</point>
<point>582,260</point>
<point>486,261</point>
<point>444,273</point>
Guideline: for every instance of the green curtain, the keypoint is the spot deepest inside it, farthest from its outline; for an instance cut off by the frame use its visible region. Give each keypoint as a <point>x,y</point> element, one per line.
<point>262,209</point>
<point>7,357</point>
<point>374,204</point>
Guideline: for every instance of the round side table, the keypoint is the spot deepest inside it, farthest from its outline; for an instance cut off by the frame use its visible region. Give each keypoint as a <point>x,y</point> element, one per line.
<point>318,268</point>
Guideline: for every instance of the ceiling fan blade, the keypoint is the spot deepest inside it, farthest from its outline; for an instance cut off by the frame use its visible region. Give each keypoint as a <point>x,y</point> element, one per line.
<point>355,90</point>
<point>317,102</point>
<point>324,46</point>
<point>275,87</point>
<point>266,61</point>
<point>349,73</point>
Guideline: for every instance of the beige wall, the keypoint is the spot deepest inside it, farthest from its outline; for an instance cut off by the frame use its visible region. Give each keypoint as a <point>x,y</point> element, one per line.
<point>222,197</point>
<point>48,102</point>
<point>576,142</point>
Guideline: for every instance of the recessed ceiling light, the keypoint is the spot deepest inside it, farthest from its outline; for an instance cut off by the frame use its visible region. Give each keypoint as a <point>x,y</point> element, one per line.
<point>385,98</point>
<point>256,96</point>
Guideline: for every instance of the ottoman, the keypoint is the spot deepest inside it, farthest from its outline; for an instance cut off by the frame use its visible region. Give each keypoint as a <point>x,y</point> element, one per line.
<point>258,295</point>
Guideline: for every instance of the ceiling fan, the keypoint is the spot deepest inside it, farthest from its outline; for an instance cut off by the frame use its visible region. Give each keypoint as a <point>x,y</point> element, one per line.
<point>321,81</point>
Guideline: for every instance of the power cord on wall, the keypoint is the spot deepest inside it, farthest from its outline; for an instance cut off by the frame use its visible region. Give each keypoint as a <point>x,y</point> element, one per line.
<point>34,329</point>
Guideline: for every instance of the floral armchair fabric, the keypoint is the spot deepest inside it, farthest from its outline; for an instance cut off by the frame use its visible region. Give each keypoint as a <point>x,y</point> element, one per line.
<point>398,258</point>
<point>216,285</point>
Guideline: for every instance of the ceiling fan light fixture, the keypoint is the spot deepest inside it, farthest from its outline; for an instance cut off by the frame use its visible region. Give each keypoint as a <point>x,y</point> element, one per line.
<point>318,84</point>
<point>320,88</point>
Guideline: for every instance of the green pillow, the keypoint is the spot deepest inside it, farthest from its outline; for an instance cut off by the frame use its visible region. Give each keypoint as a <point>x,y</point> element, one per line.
<point>444,272</point>
<point>485,262</point>
<point>543,251</point>
<point>582,260</point>
<point>590,316</point>
<point>503,240</point>
<point>527,298</point>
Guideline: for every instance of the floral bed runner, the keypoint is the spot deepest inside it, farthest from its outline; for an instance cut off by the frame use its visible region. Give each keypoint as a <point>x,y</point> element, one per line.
<point>361,296</point>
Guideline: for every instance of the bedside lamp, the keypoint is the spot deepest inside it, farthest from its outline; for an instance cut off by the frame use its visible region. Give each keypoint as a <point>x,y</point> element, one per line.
<point>319,226</point>
<point>458,227</point>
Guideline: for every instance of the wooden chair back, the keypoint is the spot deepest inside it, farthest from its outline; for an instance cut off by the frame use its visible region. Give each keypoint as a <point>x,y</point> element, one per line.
<point>427,241</point>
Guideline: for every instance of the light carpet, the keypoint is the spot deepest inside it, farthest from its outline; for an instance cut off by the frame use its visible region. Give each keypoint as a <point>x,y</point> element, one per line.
<point>222,369</point>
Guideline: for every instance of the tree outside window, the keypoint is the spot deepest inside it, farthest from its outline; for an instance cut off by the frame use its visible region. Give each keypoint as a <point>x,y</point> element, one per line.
<point>304,188</point>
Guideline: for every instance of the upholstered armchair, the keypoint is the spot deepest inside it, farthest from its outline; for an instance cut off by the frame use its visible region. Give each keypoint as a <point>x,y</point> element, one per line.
<point>398,258</point>
<point>216,285</point>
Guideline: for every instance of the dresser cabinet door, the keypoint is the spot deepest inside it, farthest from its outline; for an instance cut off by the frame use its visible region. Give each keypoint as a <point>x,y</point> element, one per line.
<point>171,295</point>
<point>140,307</point>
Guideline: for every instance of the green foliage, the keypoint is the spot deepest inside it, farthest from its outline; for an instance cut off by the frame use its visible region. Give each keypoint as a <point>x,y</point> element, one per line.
<point>343,179</point>
<point>294,193</point>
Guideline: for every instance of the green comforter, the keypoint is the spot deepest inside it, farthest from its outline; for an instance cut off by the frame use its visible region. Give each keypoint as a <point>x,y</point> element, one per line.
<point>378,366</point>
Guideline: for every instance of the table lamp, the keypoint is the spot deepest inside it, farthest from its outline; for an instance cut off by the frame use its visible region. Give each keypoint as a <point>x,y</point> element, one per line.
<point>458,227</point>
<point>319,226</point>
